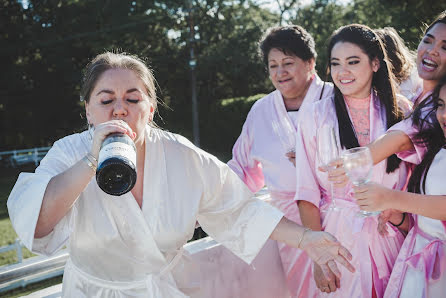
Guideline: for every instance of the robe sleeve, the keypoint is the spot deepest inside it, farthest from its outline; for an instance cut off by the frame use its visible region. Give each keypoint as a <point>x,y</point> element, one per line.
<point>405,105</point>
<point>307,186</point>
<point>415,155</point>
<point>242,163</point>
<point>231,215</point>
<point>26,198</point>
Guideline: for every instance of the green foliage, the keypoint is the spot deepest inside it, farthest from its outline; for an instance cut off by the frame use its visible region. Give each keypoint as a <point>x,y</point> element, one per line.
<point>49,42</point>
<point>45,46</point>
<point>223,123</point>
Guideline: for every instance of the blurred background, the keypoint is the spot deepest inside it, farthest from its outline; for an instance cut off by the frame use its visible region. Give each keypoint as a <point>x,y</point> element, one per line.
<point>201,51</point>
<point>209,46</point>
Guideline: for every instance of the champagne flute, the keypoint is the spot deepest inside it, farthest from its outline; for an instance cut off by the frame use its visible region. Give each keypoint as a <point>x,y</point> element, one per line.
<point>358,165</point>
<point>285,132</point>
<point>327,151</point>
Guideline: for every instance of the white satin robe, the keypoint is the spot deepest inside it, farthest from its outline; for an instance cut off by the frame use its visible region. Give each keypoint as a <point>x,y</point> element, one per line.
<point>120,250</point>
<point>258,157</point>
<point>373,255</point>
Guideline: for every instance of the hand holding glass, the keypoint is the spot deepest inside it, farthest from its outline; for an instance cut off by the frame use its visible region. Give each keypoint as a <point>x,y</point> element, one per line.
<point>327,151</point>
<point>285,133</point>
<point>358,165</point>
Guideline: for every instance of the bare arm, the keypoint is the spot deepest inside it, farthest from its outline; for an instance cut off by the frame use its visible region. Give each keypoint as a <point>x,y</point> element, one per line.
<point>60,194</point>
<point>433,206</point>
<point>310,216</point>
<point>63,189</point>
<point>321,247</point>
<point>374,197</point>
<point>388,144</point>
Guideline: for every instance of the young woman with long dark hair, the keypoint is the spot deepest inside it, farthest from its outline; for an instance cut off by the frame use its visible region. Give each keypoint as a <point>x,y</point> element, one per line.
<point>362,108</point>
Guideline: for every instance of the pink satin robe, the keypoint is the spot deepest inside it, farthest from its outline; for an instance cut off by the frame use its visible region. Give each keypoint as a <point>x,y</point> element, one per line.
<point>259,159</point>
<point>411,87</point>
<point>416,155</point>
<point>373,255</point>
<point>420,268</point>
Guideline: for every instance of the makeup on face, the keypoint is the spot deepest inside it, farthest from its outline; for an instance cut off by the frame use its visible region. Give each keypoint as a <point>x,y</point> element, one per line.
<point>431,53</point>
<point>351,70</point>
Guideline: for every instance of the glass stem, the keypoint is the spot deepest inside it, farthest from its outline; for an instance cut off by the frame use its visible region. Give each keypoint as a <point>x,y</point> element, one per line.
<point>332,194</point>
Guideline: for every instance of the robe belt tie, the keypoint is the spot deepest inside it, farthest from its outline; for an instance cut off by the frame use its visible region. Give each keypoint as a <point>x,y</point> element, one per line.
<point>157,284</point>
<point>431,259</point>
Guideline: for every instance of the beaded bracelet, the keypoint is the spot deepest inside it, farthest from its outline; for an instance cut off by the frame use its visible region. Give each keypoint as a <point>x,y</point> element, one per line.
<point>402,220</point>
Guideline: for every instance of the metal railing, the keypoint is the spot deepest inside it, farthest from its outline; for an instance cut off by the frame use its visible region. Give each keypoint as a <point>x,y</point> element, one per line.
<point>38,268</point>
<point>16,158</point>
<point>17,246</point>
<point>30,270</point>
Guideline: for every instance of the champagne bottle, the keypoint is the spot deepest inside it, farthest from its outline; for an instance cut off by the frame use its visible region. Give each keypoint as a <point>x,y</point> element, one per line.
<point>116,172</point>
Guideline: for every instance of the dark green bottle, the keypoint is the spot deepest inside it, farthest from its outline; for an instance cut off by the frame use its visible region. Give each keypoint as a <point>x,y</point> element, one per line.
<point>116,172</point>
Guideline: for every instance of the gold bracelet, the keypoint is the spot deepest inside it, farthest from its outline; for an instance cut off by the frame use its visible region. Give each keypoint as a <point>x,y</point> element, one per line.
<point>89,163</point>
<point>302,237</point>
<point>92,159</point>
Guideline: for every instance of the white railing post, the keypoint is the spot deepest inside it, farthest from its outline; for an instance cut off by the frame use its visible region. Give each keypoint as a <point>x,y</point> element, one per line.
<point>35,157</point>
<point>18,248</point>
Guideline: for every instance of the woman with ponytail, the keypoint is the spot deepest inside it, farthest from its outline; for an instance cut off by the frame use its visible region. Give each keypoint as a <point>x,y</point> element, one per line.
<point>362,108</point>
<point>420,268</point>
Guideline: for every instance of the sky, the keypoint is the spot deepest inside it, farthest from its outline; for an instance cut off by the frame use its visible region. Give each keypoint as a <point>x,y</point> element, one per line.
<point>272,4</point>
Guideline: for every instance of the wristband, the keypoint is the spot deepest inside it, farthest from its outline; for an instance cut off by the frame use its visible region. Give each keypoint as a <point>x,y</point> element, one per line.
<point>402,220</point>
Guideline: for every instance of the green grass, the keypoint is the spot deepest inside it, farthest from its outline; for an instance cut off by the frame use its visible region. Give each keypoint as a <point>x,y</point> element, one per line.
<point>8,236</point>
<point>8,176</point>
<point>19,292</point>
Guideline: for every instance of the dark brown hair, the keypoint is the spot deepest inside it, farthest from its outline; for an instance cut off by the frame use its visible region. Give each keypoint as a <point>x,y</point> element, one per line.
<point>441,18</point>
<point>108,60</point>
<point>383,84</point>
<point>429,135</point>
<point>401,59</point>
<point>291,40</point>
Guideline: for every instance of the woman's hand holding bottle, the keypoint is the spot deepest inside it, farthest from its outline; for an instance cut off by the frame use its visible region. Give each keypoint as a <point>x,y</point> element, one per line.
<point>102,130</point>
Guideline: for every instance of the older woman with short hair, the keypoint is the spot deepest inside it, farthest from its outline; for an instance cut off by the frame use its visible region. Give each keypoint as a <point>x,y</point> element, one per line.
<point>264,151</point>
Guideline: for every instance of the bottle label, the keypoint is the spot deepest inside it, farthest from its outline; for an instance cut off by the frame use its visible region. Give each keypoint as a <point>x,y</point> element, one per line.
<point>117,149</point>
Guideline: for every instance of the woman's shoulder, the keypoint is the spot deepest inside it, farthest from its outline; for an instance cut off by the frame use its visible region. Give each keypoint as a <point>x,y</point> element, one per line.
<point>177,144</point>
<point>75,141</point>
<point>320,107</point>
<point>264,102</point>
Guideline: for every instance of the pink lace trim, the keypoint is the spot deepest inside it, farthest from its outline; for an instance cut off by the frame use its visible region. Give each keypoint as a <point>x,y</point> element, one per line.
<point>359,109</point>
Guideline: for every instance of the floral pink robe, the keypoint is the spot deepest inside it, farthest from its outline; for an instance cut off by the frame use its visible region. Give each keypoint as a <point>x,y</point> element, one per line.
<point>259,159</point>
<point>373,255</point>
